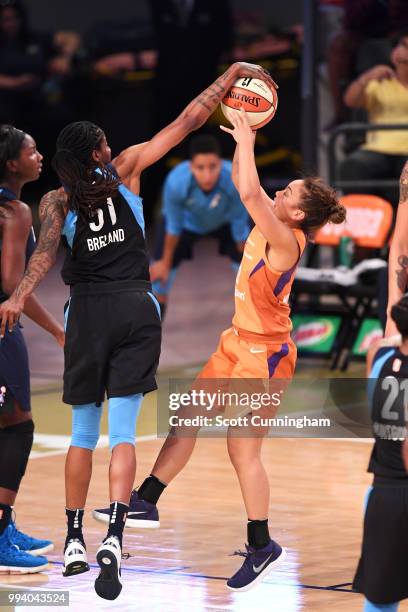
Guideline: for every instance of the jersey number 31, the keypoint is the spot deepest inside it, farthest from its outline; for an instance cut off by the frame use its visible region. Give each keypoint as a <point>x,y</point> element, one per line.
<point>96,227</point>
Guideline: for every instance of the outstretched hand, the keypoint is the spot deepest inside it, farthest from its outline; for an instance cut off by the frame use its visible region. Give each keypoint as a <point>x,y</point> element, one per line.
<point>244,69</point>
<point>242,132</point>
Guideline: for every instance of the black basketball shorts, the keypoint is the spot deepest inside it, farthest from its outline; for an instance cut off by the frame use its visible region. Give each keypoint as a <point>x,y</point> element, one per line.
<point>113,340</point>
<point>382,570</point>
<point>14,371</point>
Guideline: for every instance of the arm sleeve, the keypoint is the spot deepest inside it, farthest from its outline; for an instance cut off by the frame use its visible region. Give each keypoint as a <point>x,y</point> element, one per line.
<point>173,208</point>
<point>239,218</point>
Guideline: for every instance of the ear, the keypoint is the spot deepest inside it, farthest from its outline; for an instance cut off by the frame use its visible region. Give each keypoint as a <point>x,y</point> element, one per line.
<point>12,165</point>
<point>299,214</point>
<point>97,156</point>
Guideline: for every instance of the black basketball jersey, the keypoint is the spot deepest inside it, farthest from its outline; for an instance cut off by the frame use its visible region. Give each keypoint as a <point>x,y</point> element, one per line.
<point>7,196</point>
<point>388,395</point>
<point>110,246</point>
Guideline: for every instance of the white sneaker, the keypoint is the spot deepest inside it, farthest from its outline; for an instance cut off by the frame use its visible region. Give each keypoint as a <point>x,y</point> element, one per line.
<point>108,584</point>
<point>75,561</point>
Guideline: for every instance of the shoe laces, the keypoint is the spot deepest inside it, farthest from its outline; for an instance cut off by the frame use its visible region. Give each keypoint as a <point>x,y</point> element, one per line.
<point>14,549</point>
<point>243,553</point>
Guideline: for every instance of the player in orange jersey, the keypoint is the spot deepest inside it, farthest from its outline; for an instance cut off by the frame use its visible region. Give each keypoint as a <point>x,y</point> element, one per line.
<point>257,346</point>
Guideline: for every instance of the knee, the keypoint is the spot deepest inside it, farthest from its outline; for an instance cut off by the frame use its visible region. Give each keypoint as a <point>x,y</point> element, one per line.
<point>82,439</point>
<point>15,446</point>
<point>85,426</point>
<point>123,438</point>
<point>236,453</point>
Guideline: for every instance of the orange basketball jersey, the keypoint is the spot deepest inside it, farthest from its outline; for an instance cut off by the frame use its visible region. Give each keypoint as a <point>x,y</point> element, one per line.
<point>262,293</point>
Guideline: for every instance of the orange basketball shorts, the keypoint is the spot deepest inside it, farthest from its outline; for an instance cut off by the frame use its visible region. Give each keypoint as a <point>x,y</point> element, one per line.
<point>250,357</point>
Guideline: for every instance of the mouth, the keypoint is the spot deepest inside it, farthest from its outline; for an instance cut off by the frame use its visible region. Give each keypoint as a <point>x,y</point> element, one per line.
<point>40,168</point>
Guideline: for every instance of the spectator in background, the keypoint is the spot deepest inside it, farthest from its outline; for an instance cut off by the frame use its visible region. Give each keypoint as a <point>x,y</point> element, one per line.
<point>33,73</point>
<point>192,36</point>
<point>383,92</point>
<point>23,63</point>
<point>363,20</point>
<point>199,199</point>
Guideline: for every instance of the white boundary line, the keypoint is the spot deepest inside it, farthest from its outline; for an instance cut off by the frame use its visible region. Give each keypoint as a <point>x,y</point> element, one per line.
<point>63,451</point>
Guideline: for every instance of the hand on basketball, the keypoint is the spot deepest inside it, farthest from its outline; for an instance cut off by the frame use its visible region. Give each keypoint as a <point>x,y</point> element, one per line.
<point>10,312</point>
<point>242,132</point>
<point>159,270</point>
<point>255,71</point>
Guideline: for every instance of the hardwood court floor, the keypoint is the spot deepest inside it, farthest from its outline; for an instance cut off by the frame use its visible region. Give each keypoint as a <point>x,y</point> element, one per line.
<point>316,513</point>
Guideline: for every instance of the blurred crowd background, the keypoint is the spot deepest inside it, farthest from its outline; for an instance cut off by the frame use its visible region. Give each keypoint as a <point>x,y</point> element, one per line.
<point>131,67</point>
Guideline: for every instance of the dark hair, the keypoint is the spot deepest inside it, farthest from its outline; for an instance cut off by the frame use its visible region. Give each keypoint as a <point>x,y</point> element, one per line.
<point>87,190</point>
<point>398,36</point>
<point>320,205</point>
<point>11,140</point>
<point>204,144</point>
<point>399,314</point>
<point>19,8</point>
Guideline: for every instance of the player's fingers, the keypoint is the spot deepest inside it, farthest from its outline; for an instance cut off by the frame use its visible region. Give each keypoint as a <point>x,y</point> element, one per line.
<point>3,326</point>
<point>11,321</point>
<point>225,129</point>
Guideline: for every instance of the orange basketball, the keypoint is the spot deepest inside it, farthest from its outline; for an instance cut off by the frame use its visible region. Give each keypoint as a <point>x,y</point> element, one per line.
<point>255,97</point>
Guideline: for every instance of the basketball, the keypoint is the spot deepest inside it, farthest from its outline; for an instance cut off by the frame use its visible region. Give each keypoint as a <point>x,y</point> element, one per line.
<point>255,97</point>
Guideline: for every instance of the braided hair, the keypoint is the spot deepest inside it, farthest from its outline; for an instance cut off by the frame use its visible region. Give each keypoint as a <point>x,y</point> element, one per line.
<point>399,314</point>
<point>11,141</point>
<point>87,189</point>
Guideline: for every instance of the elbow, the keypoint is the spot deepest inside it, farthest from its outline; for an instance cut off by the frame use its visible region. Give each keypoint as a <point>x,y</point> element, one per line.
<point>189,123</point>
<point>249,196</point>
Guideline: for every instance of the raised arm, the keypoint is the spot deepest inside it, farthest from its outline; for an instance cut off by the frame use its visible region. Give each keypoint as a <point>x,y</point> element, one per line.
<point>130,163</point>
<point>52,216</point>
<point>398,257</point>
<point>355,96</point>
<point>281,239</point>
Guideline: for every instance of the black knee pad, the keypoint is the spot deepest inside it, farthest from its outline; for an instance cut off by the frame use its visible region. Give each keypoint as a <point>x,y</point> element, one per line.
<point>15,447</point>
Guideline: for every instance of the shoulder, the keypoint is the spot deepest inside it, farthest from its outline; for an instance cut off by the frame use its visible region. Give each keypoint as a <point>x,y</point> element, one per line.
<point>380,354</point>
<point>18,212</point>
<point>179,176</point>
<point>301,238</point>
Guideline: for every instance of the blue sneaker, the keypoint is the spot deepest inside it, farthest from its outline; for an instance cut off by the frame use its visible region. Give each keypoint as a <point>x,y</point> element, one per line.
<point>16,561</point>
<point>142,514</point>
<point>257,565</point>
<point>28,544</point>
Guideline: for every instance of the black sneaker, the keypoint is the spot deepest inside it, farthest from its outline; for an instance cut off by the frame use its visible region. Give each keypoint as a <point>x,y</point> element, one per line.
<point>142,514</point>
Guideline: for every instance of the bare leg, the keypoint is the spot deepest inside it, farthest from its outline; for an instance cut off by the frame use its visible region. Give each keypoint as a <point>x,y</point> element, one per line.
<point>173,456</point>
<point>245,455</point>
<point>122,471</point>
<point>78,471</point>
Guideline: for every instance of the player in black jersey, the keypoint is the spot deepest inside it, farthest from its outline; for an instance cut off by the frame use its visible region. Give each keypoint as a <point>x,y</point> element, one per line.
<point>112,319</point>
<point>381,573</point>
<point>20,163</point>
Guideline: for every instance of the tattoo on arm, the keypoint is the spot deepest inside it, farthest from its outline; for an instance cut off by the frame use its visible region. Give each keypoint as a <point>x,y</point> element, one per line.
<point>403,199</point>
<point>213,95</point>
<point>401,273</point>
<point>52,217</point>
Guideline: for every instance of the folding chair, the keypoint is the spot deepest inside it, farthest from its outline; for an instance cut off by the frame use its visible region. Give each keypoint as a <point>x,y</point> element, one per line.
<point>368,222</point>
